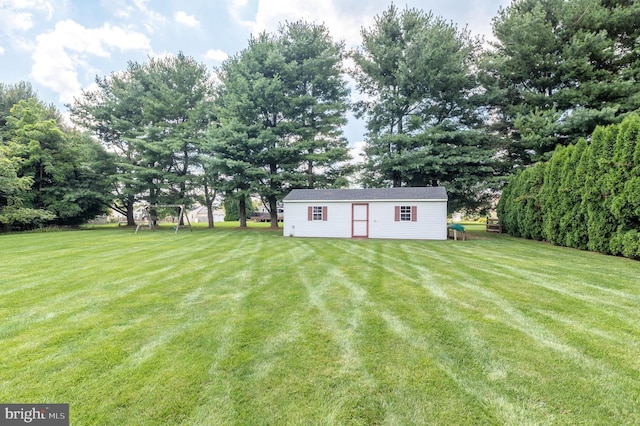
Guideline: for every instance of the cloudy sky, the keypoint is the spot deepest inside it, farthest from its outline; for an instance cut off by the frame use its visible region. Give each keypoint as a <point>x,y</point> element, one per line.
<point>60,46</point>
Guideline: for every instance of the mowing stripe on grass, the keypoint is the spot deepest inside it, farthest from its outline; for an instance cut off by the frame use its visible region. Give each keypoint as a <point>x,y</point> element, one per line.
<point>232,327</point>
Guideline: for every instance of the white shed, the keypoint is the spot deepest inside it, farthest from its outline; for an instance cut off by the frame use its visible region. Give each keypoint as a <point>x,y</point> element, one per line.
<point>403,213</point>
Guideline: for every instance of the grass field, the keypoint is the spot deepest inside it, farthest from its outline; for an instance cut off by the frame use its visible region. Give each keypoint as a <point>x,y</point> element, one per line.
<point>249,327</point>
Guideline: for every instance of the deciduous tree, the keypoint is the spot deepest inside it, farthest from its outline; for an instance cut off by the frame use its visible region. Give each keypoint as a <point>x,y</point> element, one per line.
<point>56,163</point>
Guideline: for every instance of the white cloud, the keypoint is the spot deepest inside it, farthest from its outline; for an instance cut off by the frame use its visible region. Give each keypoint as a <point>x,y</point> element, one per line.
<point>17,15</point>
<point>119,8</point>
<point>37,5</point>
<point>16,21</point>
<point>236,9</point>
<point>216,55</point>
<point>345,19</point>
<point>185,19</point>
<point>1,50</point>
<point>59,55</point>
<point>152,19</point>
<point>343,24</point>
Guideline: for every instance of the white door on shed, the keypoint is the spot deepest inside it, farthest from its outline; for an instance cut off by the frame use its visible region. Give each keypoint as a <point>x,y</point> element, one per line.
<point>360,220</point>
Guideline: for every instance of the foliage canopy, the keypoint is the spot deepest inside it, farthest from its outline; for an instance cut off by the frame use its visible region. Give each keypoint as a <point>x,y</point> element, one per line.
<point>417,72</point>
<point>586,196</point>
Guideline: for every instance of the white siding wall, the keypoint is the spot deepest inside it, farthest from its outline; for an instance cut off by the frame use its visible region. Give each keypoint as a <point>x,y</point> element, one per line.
<point>296,223</point>
<point>430,225</point>
<point>431,222</point>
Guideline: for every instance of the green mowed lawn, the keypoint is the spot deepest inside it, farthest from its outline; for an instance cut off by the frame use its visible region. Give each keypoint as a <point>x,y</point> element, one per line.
<point>249,327</point>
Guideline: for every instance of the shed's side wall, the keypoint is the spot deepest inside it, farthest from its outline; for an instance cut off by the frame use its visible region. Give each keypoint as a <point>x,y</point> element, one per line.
<point>431,223</point>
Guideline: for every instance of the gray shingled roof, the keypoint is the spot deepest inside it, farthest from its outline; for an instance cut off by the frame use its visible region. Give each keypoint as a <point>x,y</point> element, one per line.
<point>370,194</point>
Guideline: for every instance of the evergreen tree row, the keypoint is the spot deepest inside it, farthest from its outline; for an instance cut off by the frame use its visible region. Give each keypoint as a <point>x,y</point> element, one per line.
<point>587,196</point>
<point>441,107</point>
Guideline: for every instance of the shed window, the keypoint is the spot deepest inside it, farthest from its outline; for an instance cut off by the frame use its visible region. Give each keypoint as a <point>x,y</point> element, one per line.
<point>406,213</point>
<point>317,213</point>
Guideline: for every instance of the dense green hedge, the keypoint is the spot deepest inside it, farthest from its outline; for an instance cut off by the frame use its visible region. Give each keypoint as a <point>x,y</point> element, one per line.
<point>586,196</point>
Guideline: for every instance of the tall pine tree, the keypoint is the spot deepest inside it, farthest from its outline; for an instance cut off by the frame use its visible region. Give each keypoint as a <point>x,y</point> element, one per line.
<point>559,68</point>
<point>153,118</point>
<point>281,106</point>
<point>417,73</point>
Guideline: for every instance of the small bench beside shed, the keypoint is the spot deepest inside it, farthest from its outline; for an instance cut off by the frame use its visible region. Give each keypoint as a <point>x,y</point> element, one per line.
<point>494,225</point>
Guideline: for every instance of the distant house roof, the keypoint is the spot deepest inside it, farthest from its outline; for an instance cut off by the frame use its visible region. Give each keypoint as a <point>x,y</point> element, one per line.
<point>369,194</point>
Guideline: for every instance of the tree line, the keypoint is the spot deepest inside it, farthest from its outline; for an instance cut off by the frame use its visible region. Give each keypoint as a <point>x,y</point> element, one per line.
<point>49,174</point>
<point>587,196</point>
<point>441,106</point>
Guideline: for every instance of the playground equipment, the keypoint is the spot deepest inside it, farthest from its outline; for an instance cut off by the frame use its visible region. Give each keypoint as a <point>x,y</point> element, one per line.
<point>150,217</point>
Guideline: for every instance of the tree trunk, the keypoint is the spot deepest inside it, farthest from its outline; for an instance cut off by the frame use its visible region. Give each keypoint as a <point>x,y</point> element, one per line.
<point>242,206</point>
<point>210,223</point>
<point>273,210</point>
<point>208,201</point>
<point>273,201</point>
<point>131,221</point>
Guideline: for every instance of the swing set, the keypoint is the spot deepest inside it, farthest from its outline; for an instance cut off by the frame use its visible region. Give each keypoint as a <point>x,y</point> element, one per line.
<point>150,217</point>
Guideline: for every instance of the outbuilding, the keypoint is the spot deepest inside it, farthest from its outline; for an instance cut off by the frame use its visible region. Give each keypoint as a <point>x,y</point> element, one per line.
<point>401,213</point>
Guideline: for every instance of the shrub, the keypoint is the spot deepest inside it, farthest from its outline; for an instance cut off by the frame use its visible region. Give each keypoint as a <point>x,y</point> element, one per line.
<point>586,196</point>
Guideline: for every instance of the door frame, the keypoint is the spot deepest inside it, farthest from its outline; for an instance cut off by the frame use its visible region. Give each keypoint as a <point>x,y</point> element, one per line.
<point>354,220</point>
